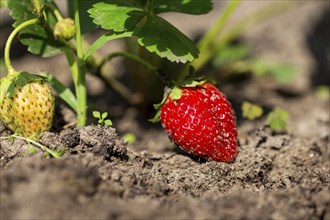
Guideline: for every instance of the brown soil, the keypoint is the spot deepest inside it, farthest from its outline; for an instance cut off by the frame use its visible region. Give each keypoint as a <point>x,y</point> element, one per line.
<point>275,175</point>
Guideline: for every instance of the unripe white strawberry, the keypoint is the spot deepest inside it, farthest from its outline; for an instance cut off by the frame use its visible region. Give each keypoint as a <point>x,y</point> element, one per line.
<point>26,104</point>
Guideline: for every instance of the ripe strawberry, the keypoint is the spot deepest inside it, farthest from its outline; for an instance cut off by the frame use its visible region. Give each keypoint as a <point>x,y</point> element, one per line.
<point>202,122</point>
<point>26,104</point>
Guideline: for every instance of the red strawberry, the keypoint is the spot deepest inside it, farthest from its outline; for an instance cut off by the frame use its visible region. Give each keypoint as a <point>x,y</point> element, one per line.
<point>202,122</point>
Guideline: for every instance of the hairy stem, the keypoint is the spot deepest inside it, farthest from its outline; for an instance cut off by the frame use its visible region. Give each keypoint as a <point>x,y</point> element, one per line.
<point>80,83</point>
<point>10,41</point>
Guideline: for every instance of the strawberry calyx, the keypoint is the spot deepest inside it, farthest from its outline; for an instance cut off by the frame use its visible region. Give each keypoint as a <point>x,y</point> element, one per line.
<point>8,83</point>
<point>174,93</point>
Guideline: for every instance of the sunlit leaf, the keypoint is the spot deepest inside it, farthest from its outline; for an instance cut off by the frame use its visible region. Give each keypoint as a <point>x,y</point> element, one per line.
<point>251,111</point>
<point>277,119</point>
<point>96,114</point>
<point>153,32</point>
<point>108,122</point>
<point>176,93</point>
<point>86,22</point>
<point>104,39</point>
<point>119,15</point>
<point>129,138</point>
<point>63,91</point>
<point>194,7</point>
<point>40,40</point>
<point>104,115</point>
<point>159,36</point>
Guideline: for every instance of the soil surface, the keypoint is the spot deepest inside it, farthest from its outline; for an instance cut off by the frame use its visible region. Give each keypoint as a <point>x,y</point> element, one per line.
<point>100,176</point>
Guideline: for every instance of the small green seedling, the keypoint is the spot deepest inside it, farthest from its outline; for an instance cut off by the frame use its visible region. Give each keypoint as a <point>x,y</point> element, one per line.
<point>251,111</point>
<point>277,119</point>
<point>102,118</point>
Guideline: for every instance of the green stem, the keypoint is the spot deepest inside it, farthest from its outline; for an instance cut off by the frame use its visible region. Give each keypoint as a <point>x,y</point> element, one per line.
<point>73,65</point>
<point>55,11</point>
<point>10,40</point>
<point>211,35</point>
<point>250,21</point>
<point>42,147</point>
<point>217,28</point>
<point>81,92</point>
<point>74,72</point>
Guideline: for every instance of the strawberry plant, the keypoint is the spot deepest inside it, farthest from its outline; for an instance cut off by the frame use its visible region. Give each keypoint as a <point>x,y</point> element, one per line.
<point>26,99</point>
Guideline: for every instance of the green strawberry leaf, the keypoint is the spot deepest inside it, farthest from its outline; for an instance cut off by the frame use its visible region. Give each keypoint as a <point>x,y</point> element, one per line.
<point>104,39</point>
<point>251,111</point>
<point>86,23</point>
<point>159,36</point>
<point>19,8</point>
<point>40,40</point>
<point>63,91</point>
<point>194,7</point>
<point>119,15</point>
<point>277,119</point>
<point>127,18</point>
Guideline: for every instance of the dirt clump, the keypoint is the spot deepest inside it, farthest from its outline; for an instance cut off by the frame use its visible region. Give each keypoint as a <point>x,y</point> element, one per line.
<point>277,175</point>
